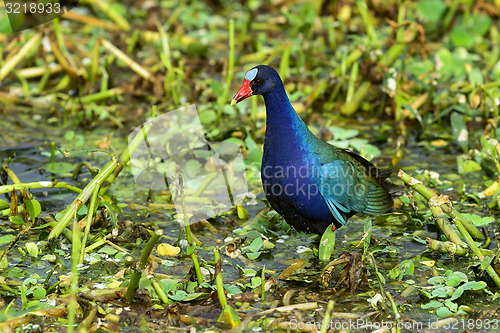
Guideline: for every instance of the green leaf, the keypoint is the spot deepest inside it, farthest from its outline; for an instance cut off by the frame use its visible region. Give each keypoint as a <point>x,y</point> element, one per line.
<point>475,76</point>
<point>256,244</point>
<point>431,10</point>
<point>479,24</point>
<point>207,117</point>
<point>236,141</point>
<point>242,212</point>
<point>29,282</point>
<point>246,272</point>
<point>404,199</point>
<point>344,144</point>
<point>443,312</point>
<point>255,282</point>
<point>456,278</point>
<point>69,135</point>
<point>432,305</point>
<point>39,292</point>
<point>460,36</point>
<point>196,297</point>
<point>471,166</point>
<point>182,296</point>
<point>3,204</point>
<point>253,255</point>
<point>5,27</point>
<point>34,208</point>
<point>357,143</point>
<point>5,239</point>
<point>191,287</point>
<point>495,74</point>
<point>442,291</point>
<point>467,32</point>
<point>367,227</point>
<point>168,284</point>
<point>229,316</point>
<point>178,295</point>
<point>250,143</point>
<point>16,220</point>
<point>452,306</point>
<point>395,273</point>
<point>405,268</point>
<point>32,249</point>
<point>408,267</point>
<point>60,168</point>
<point>82,211</point>
<point>477,220</point>
<point>69,153</point>
<point>327,244</point>
<point>371,151</point>
<point>233,290</point>
<point>473,285</point>
<point>425,293</point>
<point>486,262</point>
<point>342,133</point>
<point>108,249</point>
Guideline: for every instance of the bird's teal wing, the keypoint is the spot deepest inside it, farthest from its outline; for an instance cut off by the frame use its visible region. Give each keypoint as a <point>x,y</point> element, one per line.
<point>349,185</point>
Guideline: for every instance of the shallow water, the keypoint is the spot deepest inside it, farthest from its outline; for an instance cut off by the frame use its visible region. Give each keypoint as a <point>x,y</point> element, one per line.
<point>32,159</point>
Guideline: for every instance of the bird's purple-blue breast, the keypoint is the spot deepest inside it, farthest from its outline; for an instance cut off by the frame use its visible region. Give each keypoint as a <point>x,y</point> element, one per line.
<point>293,177</point>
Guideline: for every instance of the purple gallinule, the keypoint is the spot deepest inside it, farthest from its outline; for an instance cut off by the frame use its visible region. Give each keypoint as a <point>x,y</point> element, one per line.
<point>311,183</point>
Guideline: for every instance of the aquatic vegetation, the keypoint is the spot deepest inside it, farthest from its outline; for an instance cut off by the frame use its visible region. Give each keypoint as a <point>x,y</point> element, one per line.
<point>412,84</point>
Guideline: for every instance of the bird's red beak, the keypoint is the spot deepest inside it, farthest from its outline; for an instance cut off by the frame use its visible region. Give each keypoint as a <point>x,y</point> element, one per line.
<point>243,93</point>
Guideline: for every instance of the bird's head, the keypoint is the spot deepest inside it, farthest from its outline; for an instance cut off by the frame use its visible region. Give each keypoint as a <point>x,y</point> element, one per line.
<point>259,80</point>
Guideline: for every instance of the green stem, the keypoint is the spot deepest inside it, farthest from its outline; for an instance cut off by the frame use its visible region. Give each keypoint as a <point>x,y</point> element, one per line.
<point>351,85</point>
<point>491,272</point>
<point>218,279</point>
<point>458,219</point>
<point>395,310</point>
<point>87,99</point>
<point>29,47</point>
<point>445,205</point>
<point>455,215</point>
<point>349,60</point>
<point>76,245</point>
<point>136,276</point>
<point>99,242</point>
<point>191,247</point>
<point>110,11</point>
<point>90,214</point>
<point>82,198</point>
<point>326,319</point>
<point>161,293</point>
<point>446,247</point>
<point>85,323</point>
<point>52,153</point>
<point>263,284</point>
<point>370,31</point>
<point>374,265</point>
<point>358,97</point>
<point>444,225</point>
<point>39,184</point>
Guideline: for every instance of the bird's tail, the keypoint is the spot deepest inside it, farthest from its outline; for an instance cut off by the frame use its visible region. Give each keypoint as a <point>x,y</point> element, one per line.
<point>394,190</point>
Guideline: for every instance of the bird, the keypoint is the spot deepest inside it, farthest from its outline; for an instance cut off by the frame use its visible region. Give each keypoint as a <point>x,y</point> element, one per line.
<point>309,182</point>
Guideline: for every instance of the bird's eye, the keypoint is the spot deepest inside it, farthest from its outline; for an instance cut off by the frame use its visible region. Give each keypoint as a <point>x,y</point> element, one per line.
<point>257,82</point>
